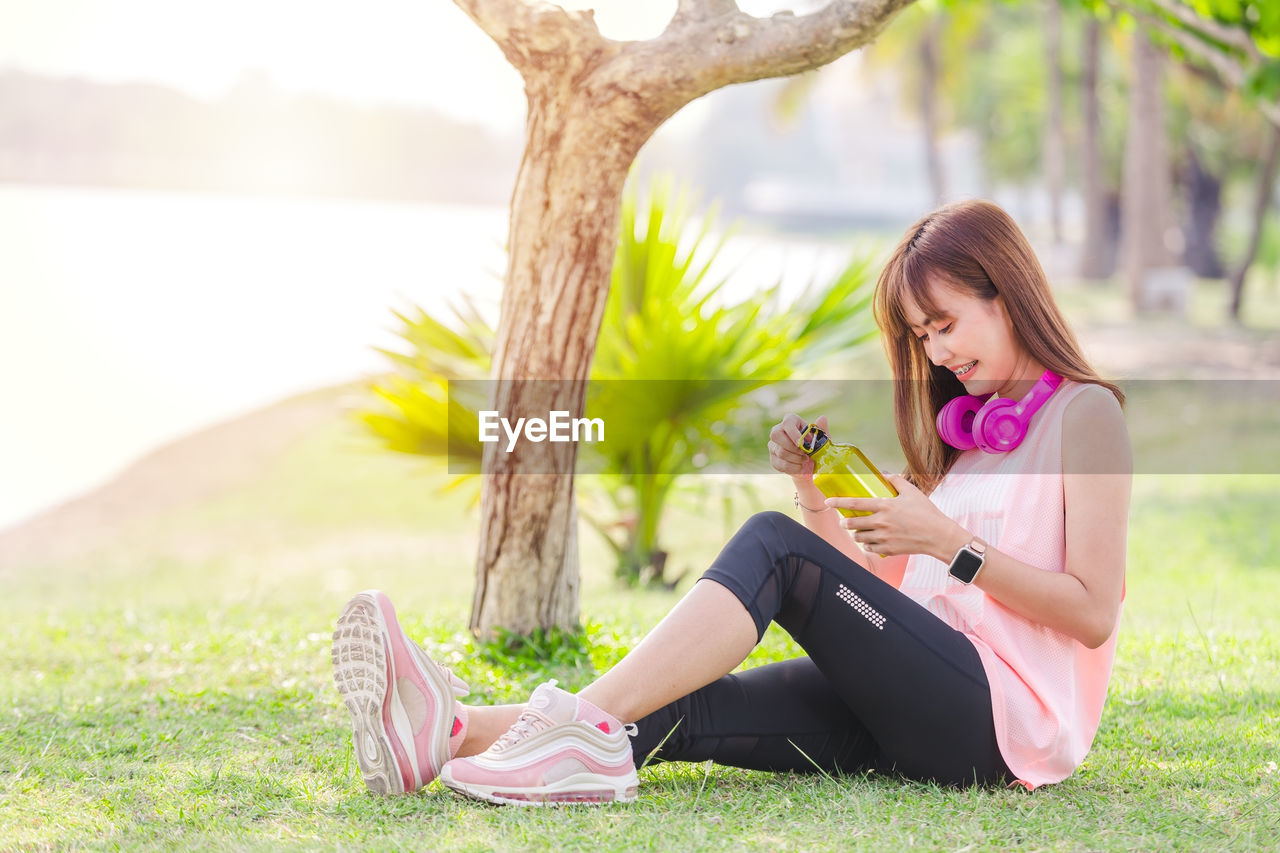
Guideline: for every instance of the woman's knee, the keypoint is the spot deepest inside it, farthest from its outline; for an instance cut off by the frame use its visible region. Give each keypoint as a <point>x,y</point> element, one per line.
<point>771,521</point>
<point>758,551</point>
<point>748,564</point>
<point>759,542</point>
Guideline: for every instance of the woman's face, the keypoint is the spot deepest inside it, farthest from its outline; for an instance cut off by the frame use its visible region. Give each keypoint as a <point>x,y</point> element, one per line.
<point>973,338</point>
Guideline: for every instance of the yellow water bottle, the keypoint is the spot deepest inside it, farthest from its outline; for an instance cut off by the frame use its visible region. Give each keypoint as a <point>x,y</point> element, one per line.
<point>842,470</point>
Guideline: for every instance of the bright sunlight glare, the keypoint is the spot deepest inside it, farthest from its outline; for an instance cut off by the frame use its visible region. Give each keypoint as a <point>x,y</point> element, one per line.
<point>421,52</point>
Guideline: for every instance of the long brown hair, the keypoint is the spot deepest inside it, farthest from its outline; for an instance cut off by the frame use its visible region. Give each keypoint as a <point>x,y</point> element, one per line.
<point>976,248</point>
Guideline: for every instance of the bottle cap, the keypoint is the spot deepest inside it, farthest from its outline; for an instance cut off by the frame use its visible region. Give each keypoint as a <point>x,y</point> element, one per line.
<point>812,439</point>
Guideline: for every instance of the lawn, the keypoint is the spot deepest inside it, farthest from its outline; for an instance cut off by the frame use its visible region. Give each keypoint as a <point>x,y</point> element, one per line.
<point>167,685</point>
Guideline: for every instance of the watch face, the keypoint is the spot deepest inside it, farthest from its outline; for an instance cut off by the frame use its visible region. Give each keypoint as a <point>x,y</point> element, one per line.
<point>965,565</point>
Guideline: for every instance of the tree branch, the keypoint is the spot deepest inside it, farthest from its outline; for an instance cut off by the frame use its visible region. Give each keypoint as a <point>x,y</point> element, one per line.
<point>724,45</point>
<point>754,48</point>
<point>530,31</point>
<point>1228,69</point>
<point>707,45</point>
<point>1230,72</point>
<point>1208,27</point>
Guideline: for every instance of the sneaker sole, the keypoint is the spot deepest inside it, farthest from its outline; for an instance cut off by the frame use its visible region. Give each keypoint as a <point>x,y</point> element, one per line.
<point>365,674</point>
<point>580,789</point>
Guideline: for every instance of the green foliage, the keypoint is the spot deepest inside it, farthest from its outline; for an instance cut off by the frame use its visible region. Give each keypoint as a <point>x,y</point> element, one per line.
<point>1000,94</point>
<point>540,649</point>
<point>1240,35</point>
<point>422,412</point>
<point>1260,19</point>
<point>1264,82</point>
<point>993,76</point>
<point>700,357</point>
<point>1268,257</point>
<point>962,27</point>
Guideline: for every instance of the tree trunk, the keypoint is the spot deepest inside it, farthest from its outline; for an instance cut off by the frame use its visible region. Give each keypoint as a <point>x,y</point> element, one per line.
<point>1097,261</point>
<point>1261,203</point>
<point>569,189</point>
<point>1054,149</point>
<point>929,73</point>
<point>1144,205</point>
<point>1204,205</point>
<point>593,102</point>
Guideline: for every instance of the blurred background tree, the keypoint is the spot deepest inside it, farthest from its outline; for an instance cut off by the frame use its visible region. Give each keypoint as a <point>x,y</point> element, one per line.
<point>1146,111</point>
<point>1237,44</point>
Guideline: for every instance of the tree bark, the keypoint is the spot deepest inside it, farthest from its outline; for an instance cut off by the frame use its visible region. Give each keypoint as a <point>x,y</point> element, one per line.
<point>593,102</point>
<point>1262,202</point>
<point>1144,206</point>
<point>1097,261</point>
<point>570,183</point>
<point>1054,149</point>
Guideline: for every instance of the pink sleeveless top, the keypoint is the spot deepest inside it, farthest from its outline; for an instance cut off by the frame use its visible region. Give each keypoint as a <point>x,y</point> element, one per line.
<point>1047,690</point>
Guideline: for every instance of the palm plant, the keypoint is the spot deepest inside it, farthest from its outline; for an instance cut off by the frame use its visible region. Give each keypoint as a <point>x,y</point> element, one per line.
<point>425,409</point>
<point>682,375</point>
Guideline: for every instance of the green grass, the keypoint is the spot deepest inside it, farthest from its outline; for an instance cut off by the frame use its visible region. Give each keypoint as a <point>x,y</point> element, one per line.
<point>170,688</point>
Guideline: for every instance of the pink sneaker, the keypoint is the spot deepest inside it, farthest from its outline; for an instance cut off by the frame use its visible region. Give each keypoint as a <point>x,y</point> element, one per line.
<point>562,750</point>
<point>406,721</point>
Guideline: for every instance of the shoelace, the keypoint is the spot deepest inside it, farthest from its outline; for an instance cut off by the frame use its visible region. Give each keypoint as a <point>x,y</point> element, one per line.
<point>529,722</point>
<point>525,725</point>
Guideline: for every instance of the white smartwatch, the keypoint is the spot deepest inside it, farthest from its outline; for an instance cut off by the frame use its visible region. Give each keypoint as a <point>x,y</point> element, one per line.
<point>968,561</point>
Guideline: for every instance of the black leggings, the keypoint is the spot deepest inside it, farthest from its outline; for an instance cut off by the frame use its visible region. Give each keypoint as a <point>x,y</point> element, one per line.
<point>886,686</point>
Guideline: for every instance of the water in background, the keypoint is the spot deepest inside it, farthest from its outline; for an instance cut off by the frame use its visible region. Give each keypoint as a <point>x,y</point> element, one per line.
<point>129,318</point>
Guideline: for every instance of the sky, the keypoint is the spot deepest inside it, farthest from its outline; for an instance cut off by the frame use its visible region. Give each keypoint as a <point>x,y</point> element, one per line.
<point>421,52</point>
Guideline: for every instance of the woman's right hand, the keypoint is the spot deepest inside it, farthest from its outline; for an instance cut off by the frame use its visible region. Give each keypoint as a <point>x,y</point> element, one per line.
<point>785,454</point>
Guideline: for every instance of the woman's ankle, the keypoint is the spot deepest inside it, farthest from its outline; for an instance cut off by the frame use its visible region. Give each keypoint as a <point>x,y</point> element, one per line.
<point>483,725</point>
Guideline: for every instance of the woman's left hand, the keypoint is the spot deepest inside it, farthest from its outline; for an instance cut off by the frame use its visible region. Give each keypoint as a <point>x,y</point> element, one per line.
<point>907,524</point>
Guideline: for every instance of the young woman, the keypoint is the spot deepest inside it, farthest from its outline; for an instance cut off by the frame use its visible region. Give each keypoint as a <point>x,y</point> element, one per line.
<point>962,632</point>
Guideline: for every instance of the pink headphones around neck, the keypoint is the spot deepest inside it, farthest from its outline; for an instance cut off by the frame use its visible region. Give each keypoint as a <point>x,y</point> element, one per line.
<point>997,426</point>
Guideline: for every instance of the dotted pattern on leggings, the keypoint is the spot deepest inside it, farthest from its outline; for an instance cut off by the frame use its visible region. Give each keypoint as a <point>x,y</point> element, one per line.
<point>851,598</point>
